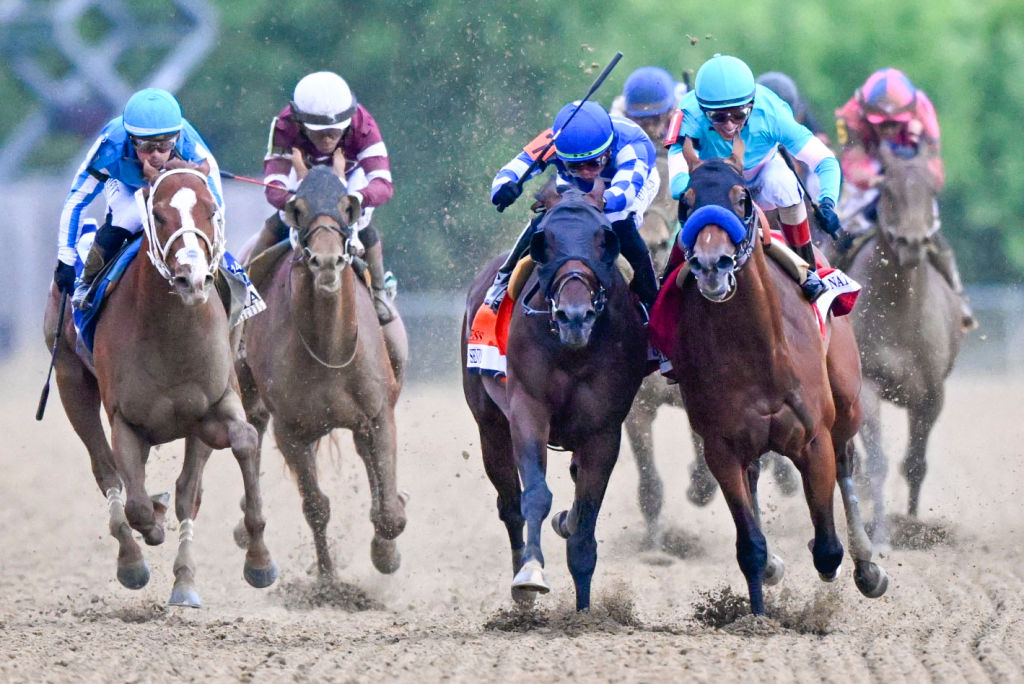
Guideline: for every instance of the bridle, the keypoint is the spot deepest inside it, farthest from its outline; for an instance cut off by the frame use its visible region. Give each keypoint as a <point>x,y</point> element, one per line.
<point>731,264</point>
<point>157,252</point>
<point>598,294</point>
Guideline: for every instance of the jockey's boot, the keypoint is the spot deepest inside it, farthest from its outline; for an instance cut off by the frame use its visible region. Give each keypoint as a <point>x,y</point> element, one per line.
<point>798,235</point>
<point>274,230</point>
<point>633,247</point>
<point>942,258</point>
<point>108,241</point>
<point>379,284</point>
<point>496,292</point>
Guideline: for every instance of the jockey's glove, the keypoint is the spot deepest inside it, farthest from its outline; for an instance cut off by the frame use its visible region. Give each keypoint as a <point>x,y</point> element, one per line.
<point>64,276</point>
<point>506,195</point>
<point>828,219</point>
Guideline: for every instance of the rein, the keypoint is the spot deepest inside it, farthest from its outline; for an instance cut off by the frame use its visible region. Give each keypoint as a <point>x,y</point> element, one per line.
<point>299,242</point>
<point>158,252</point>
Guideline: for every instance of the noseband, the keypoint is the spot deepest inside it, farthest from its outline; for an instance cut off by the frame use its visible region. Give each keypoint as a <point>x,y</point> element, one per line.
<point>157,252</point>
<point>300,241</point>
<point>598,294</point>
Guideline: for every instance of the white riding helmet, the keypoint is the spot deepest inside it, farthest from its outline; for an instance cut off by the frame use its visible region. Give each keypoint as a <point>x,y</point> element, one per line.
<point>323,100</point>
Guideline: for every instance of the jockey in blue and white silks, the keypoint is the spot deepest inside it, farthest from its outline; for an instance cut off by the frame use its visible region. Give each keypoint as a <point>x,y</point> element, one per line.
<point>727,102</point>
<point>150,129</point>
<point>590,144</point>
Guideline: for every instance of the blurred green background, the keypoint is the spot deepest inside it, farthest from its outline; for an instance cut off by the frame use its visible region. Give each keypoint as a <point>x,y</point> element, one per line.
<point>458,89</point>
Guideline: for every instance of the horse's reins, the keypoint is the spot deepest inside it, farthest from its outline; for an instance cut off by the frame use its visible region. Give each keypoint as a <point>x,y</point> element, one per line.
<point>158,253</point>
<point>300,241</point>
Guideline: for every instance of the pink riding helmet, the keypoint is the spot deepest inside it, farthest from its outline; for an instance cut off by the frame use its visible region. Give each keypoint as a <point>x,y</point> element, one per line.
<point>888,95</point>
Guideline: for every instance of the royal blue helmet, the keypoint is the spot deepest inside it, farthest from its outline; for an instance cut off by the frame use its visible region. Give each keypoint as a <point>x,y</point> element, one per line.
<point>724,82</point>
<point>586,136</point>
<point>649,91</point>
<point>152,112</point>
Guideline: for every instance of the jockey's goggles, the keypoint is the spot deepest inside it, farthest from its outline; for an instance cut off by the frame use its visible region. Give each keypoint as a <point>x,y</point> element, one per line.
<point>736,115</point>
<point>149,145</point>
<point>595,163</point>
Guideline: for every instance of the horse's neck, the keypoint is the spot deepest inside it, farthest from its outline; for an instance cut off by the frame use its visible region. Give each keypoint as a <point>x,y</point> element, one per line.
<point>758,300</point>
<point>165,311</point>
<point>328,321</point>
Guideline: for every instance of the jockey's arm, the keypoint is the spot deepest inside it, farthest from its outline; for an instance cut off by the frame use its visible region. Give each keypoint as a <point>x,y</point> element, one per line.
<point>514,170</point>
<point>823,162</point>
<point>678,172</point>
<point>630,175</point>
<point>88,184</point>
<point>375,164</point>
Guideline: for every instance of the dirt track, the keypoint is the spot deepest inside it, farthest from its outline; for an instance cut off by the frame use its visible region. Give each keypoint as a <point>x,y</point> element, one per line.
<point>954,612</point>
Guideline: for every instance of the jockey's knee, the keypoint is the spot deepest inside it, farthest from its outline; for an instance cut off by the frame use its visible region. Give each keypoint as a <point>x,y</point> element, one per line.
<point>369,236</point>
<point>275,228</point>
<point>794,214</point>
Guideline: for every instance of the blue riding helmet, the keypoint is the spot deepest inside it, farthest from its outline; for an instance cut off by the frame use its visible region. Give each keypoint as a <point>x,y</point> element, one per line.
<point>587,135</point>
<point>649,91</point>
<point>152,112</point>
<point>723,82</point>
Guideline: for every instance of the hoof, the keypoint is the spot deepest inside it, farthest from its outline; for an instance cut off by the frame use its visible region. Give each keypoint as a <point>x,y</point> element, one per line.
<point>774,571</point>
<point>133,576</point>
<point>241,535</point>
<point>700,492</point>
<point>160,501</point>
<point>523,597</point>
<point>834,576</point>
<point>186,597</point>
<point>404,497</point>
<point>531,577</point>
<point>260,578</point>
<point>871,579</point>
<point>385,556</point>
<point>154,536</point>
<point>559,522</point>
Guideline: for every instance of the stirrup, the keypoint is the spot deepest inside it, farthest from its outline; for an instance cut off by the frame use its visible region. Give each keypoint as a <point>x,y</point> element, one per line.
<point>496,292</point>
<point>813,287</point>
<point>80,299</point>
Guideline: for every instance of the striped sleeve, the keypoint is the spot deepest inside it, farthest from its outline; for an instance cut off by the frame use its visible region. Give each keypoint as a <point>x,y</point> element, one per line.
<point>514,170</point>
<point>631,173</point>
<point>87,185</point>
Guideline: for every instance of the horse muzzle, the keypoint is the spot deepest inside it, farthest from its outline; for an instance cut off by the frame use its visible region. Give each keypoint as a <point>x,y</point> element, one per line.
<point>574,325</point>
<point>193,283</point>
<point>326,269</point>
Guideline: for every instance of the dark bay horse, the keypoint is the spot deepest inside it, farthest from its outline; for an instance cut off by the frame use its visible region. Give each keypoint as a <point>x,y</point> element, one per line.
<point>317,360</point>
<point>754,377</point>
<point>908,324</point>
<point>576,356</point>
<point>162,367</point>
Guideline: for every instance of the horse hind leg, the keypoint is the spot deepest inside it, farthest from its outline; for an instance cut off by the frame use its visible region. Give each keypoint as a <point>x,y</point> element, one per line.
<point>376,444</point>
<point>922,419</point>
<point>818,468</point>
<point>187,497</point>
<point>650,490</point>
<point>870,578</point>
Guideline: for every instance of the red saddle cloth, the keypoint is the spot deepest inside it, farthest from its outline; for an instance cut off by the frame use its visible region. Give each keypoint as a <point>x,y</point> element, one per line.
<point>488,338</point>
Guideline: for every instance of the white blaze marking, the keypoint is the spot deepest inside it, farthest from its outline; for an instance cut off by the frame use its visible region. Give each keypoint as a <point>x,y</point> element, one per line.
<point>192,252</point>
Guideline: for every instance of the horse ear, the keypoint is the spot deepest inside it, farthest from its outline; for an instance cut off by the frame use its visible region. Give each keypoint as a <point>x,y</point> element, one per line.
<point>351,208</point>
<point>538,247</point>
<point>596,194</point>
<point>612,248</point>
<point>739,149</point>
<point>690,154</point>
<point>292,209</point>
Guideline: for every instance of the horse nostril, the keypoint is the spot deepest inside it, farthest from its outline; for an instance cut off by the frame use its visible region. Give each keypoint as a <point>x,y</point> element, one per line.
<point>561,316</point>
<point>725,263</point>
<point>902,241</point>
<point>589,317</point>
<point>180,281</point>
<point>208,280</point>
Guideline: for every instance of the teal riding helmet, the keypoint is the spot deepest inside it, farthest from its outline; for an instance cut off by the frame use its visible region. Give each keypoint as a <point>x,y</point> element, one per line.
<point>586,136</point>
<point>724,81</point>
<point>152,112</point>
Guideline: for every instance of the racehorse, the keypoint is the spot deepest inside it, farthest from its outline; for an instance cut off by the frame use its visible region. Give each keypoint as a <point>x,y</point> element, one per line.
<point>317,359</point>
<point>576,356</point>
<point>162,368</point>
<point>753,373</point>
<point>908,323</point>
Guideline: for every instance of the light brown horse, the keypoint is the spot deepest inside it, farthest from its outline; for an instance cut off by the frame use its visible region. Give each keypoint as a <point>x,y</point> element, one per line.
<point>908,323</point>
<point>162,368</point>
<point>318,360</point>
<point>754,376</point>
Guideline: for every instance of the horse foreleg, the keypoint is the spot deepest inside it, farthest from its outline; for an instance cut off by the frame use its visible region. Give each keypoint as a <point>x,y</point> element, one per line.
<point>258,416</point>
<point>529,428</point>
<point>751,547</point>
<point>817,465</point>
<point>376,444</point>
<point>595,459</point>
<point>922,419</point>
<point>316,506</point>
<point>650,490</point>
<point>870,578</point>
<point>876,463</point>
<point>130,453</point>
<point>187,498</point>
<point>227,427</point>
<point>775,567</point>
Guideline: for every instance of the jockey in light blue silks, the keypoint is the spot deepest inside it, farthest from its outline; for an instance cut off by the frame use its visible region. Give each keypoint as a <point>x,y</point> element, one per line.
<point>151,129</point>
<point>590,145</point>
<point>726,102</point>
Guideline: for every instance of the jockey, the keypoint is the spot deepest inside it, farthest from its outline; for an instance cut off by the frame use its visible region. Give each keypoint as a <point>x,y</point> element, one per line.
<point>326,125</point>
<point>648,98</point>
<point>589,146</point>
<point>784,86</point>
<point>727,102</point>
<point>152,130</point>
<point>889,110</point>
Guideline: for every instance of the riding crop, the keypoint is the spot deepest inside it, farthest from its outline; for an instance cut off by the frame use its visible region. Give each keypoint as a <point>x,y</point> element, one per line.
<point>53,357</point>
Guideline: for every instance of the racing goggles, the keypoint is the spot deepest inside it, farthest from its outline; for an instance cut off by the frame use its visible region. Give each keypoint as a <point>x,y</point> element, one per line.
<point>148,145</point>
<point>595,163</point>
<point>736,115</point>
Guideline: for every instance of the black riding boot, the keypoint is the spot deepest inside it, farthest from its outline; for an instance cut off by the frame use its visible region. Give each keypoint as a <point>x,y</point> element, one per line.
<point>633,247</point>
<point>108,241</point>
<point>942,258</point>
<point>812,287</point>
<point>374,257</point>
<point>496,292</point>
